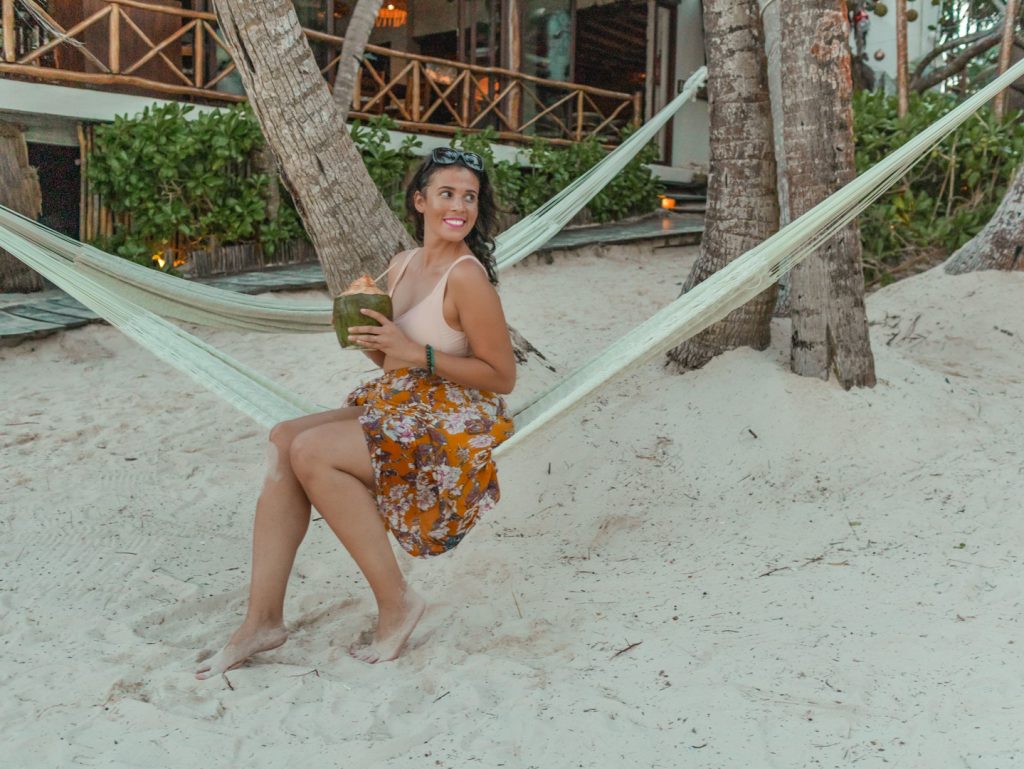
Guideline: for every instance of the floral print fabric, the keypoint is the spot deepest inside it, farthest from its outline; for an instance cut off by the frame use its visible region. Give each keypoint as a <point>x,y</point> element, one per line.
<point>430,444</point>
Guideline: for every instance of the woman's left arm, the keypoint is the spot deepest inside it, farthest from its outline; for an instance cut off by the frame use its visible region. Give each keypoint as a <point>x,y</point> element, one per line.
<point>492,364</point>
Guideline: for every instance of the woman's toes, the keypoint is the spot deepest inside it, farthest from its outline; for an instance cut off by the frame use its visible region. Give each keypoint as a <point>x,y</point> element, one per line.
<point>366,654</point>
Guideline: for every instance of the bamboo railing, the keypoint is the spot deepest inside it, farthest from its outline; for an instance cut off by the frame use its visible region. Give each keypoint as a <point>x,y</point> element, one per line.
<point>422,94</point>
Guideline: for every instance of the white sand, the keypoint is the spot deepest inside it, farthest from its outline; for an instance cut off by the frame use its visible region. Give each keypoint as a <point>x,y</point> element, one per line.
<point>810,577</point>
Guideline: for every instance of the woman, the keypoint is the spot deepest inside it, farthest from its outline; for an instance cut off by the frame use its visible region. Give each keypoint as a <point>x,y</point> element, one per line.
<point>411,451</point>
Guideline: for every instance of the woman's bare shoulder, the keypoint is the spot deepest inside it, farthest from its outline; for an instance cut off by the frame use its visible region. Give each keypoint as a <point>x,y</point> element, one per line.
<point>397,258</point>
<point>471,280</point>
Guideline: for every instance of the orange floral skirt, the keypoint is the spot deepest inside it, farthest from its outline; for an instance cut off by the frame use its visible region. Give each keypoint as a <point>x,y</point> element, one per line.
<point>430,444</point>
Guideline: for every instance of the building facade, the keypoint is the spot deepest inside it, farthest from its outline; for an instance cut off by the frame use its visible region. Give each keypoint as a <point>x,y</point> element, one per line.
<point>557,69</point>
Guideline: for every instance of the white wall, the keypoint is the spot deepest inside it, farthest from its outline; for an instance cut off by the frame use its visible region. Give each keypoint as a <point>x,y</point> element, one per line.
<point>690,136</point>
<point>51,113</point>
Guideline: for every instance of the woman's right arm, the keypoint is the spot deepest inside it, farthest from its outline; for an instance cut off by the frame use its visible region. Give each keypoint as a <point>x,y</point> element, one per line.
<point>376,355</point>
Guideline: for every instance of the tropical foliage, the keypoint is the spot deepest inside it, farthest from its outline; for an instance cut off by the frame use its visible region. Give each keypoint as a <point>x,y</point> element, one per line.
<point>185,179</point>
<point>947,197</point>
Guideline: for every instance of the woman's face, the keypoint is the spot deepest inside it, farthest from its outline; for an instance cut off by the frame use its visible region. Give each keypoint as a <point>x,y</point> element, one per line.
<point>449,203</point>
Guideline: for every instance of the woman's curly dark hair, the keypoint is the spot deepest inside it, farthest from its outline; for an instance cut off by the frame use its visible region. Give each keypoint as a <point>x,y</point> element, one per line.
<point>480,239</point>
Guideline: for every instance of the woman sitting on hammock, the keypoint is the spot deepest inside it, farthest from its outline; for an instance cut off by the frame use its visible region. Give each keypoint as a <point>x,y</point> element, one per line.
<point>411,451</point>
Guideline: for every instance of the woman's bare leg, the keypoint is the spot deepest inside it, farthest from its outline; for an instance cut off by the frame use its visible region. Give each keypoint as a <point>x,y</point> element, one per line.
<point>332,462</point>
<point>281,522</point>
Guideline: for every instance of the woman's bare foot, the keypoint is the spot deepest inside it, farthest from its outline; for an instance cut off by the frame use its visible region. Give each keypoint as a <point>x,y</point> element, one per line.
<point>393,630</point>
<point>244,643</point>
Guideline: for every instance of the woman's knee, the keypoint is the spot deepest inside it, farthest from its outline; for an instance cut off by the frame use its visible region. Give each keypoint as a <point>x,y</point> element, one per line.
<point>302,453</point>
<point>282,434</point>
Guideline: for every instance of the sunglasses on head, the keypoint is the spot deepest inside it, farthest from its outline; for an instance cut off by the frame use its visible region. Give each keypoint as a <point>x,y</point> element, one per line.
<point>446,156</point>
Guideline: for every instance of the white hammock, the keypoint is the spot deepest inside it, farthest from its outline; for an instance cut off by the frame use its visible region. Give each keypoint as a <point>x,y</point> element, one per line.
<point>241,386</point>
<point>700,307</point>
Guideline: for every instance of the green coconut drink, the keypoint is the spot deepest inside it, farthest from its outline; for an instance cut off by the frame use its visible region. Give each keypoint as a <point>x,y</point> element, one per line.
<point>362,293</point>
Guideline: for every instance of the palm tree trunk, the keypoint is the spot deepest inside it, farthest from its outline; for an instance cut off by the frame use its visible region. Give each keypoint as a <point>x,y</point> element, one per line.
<point>364,15</point>
<point>19,190</point>
<point>1000,245</point>
<point>826,291</point>
<point>743,206</point>
<point>347,219</point>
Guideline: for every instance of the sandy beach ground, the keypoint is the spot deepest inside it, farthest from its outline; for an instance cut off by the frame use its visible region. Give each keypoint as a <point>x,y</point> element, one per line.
<point>733,568</point>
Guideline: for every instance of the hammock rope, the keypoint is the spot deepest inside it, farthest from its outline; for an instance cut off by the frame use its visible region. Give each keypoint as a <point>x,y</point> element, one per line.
<point>700,307</point>
<point>244,388</point>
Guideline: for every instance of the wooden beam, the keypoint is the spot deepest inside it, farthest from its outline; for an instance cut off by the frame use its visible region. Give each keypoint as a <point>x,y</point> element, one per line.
<point>115,39</point>
<point>50,75</point>
<point>579,117</point>
<point>416,90</point>
<point>182,12</point>
<point>199,54</point>
<point>514,51</point>
<point>1009,27</point>
<point>8,24</point>
<point>902,69</point>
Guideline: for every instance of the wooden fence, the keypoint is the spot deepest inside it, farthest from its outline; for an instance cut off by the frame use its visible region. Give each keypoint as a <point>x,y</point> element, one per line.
<point>168,51</point>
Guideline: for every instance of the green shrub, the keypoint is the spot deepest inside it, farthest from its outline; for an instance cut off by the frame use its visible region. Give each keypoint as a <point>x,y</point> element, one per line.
<point>186,180</point>
<point>948,197</point>
<point>634,190</point>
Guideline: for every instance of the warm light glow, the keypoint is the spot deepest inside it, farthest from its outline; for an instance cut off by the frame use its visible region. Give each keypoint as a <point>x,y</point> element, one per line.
<point>667,202</point>
<point>160,261</point>
<point>394,14</point>
<point>483,89</point>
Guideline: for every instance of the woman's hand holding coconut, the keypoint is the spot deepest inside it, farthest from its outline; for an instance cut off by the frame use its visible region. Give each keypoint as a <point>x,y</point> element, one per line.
<point>387,338</point>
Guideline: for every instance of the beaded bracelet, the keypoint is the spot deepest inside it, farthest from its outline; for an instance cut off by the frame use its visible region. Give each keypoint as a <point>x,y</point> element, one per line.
<point>430,359</point>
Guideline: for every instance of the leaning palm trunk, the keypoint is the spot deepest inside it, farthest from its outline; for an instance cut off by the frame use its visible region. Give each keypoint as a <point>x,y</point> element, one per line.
<point>357,34</point>
<point>351,226</point>
<point>347,219</point>
<point>19,190</point>
<point>815,156</point>
<point>1000,246</point>
<point>743,207</point>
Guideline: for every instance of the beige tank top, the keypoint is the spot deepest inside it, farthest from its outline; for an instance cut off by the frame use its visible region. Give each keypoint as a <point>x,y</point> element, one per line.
<point>424,322</point>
